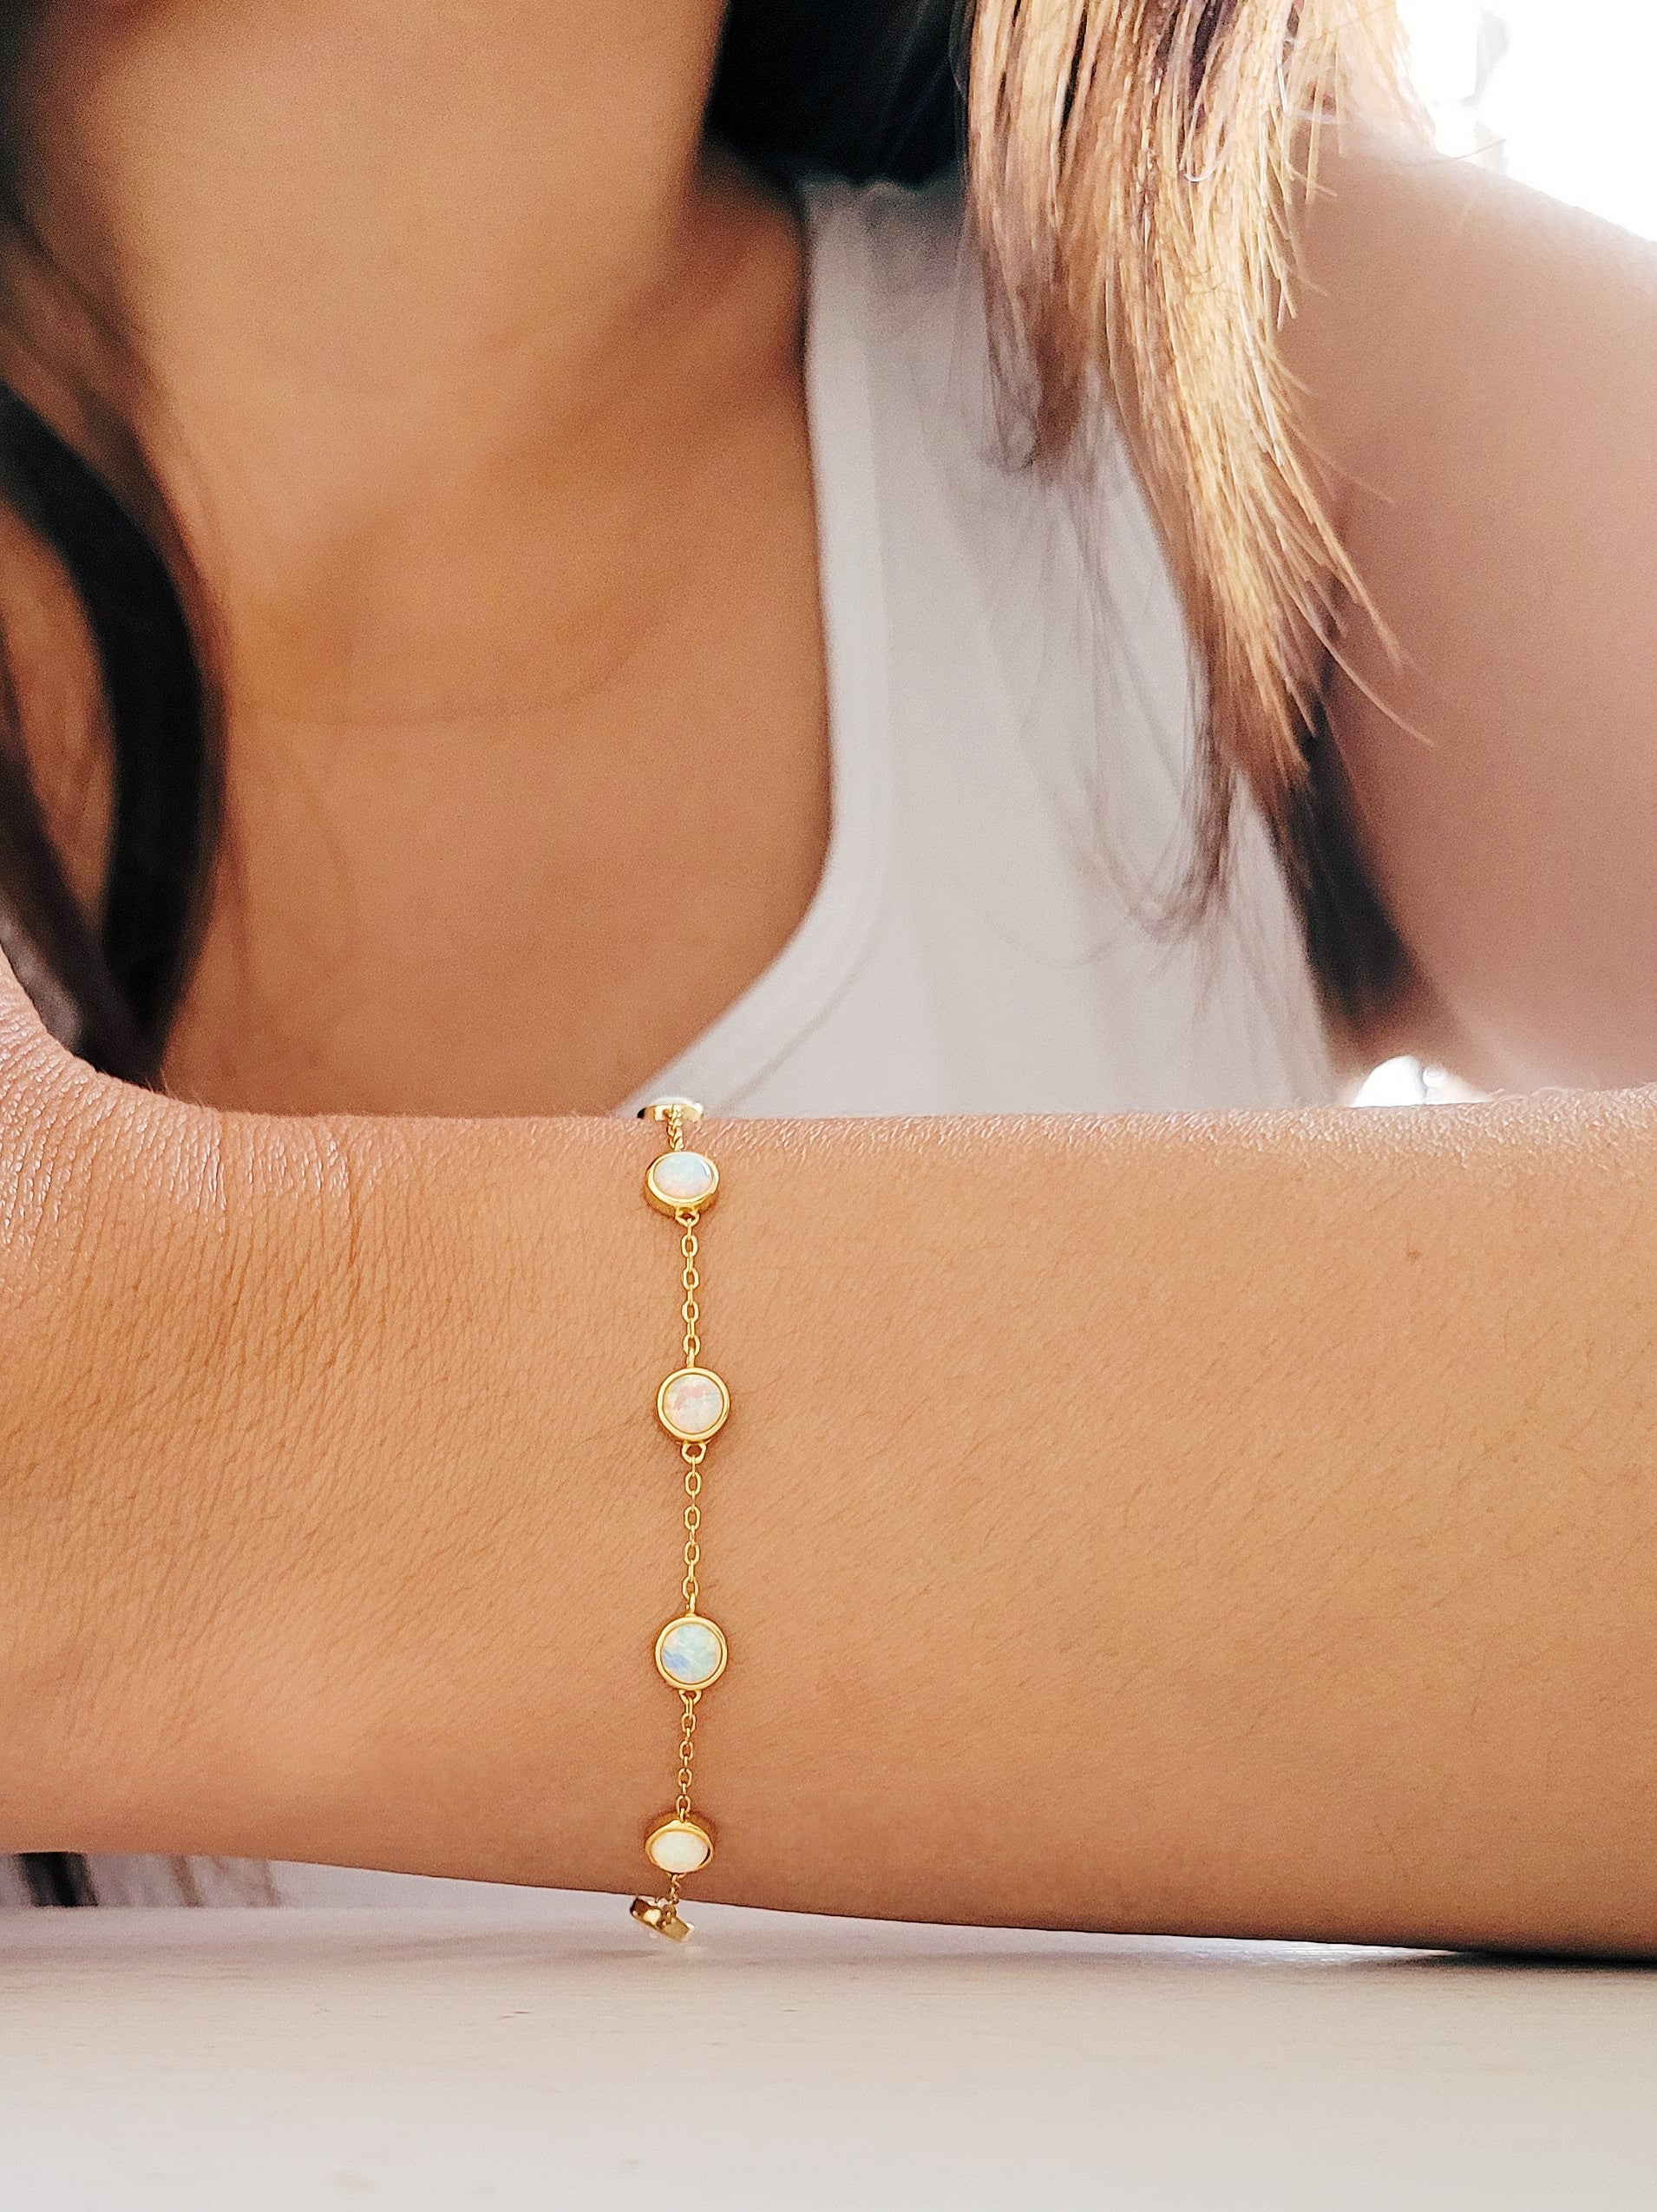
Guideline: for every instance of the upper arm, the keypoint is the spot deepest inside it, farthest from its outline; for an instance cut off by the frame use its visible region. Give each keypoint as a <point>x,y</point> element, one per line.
<point>1480,368</point>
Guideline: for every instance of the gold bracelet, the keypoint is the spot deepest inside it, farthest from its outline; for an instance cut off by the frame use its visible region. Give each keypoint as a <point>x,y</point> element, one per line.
<point>693,1405</point>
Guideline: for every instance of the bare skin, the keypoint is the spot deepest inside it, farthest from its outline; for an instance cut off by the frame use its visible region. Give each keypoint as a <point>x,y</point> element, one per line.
<point>1298,1586</point>
<point>1479,365</point>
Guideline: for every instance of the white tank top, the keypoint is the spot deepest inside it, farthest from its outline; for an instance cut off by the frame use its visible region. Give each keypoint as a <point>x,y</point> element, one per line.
<point>1012,714</point>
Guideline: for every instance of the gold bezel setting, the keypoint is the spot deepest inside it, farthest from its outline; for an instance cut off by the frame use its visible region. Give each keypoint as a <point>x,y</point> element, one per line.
<point>668,1832</point>
<point>673,1207</point>
<point>692,1435</point>
<point>694,1620</point>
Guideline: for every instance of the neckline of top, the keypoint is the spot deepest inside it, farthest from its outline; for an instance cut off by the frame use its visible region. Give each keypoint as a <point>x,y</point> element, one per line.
<point>773,1011</point>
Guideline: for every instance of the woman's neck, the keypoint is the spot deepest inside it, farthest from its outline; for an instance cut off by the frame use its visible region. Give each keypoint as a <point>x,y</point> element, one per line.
<point>479,395</point>
<point>399,272</point>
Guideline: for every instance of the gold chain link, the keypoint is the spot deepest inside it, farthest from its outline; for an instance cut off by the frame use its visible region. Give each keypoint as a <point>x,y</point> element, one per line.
<point>694,1455</point>
<point>687,1752</point>
<point>691,1312</point>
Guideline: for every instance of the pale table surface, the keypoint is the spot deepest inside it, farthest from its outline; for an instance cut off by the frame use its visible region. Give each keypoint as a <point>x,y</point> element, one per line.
<point>533,2057</point>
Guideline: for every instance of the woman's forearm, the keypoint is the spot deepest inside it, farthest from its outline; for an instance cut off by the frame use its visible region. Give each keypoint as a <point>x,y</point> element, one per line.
<point>1237,1525</point>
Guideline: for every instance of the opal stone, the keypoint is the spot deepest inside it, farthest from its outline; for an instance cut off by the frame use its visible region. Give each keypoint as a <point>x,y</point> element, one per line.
<point>683,1182</point>
<point>679,1846</point>
<point>691,1653</point>
<point>693,1404</point>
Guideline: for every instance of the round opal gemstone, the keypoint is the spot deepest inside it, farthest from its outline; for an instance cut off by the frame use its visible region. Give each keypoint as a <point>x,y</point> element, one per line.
<point>693,1404</point>
<point>692,1653</point>
<point>683,1182</point>
<point>679,1846</point>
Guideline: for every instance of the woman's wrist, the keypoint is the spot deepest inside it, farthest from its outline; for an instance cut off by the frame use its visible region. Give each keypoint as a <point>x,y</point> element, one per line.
<point>1065,1574</point>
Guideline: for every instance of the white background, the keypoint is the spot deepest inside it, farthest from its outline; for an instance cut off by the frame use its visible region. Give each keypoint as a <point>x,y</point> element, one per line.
<point>1557,92</point>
